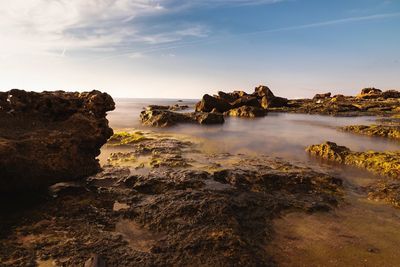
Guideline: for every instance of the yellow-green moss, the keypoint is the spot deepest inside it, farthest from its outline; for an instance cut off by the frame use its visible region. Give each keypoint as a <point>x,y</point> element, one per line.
<point>383,163</point>
<point>126,138</point>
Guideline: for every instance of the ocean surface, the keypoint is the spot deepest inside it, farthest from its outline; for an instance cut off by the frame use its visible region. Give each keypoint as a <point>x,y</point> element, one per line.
<point>277,134</point>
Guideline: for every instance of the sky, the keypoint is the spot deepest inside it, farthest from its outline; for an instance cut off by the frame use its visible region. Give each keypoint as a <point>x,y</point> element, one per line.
<point>183,49</point>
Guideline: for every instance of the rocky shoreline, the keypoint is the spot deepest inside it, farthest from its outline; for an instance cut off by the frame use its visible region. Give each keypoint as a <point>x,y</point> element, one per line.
<point>161,200</point>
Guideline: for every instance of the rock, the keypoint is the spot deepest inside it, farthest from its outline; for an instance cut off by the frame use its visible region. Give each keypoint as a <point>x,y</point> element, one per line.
<point>322,96</point>
<point>370,93</point>
<point>391,94</point>
<point>50,137</point>
<point>208,103</point>
<point>383,163</point>
<point>263,91</point>
<point>338,98</point>
<point>231,97</point>
<point>246,101</point>
<point>274,102</point>
<point>389,131</point>
<point>246,111</point>
<point>209,118</point>
<point>165,118</point>
<point>175,107</point>
<point>95,261</point>
<point>329,151</point>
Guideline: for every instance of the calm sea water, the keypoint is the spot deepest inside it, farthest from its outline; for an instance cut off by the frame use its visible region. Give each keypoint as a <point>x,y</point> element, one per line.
<point>277,134</point>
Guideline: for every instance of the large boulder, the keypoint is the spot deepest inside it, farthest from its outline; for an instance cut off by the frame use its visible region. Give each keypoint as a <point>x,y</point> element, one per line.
<point>50,137</point>
<point>263,91</point>
<point>268,99</point>
<point>208,103</point>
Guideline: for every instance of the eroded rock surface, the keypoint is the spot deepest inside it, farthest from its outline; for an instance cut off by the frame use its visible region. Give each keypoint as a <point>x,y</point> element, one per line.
<point>50,137</point>
<point>216,212</point>
<point>386,164</point>
<point>238,103</point>
<point>165,118</point>
<point>389,131</point>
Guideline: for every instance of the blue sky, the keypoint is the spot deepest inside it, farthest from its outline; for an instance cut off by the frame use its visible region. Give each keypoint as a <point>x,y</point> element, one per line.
<point>183,49</point>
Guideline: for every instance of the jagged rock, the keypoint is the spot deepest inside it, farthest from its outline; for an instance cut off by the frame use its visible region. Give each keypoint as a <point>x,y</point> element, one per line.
<point>208,103</point>
<point>369,93</point>
<point>246,101</point>
<point>391,94</point>
<point>246,111</point>
<point>209,118</point>
<point>383,163</point>
<point>263,91</point>
<point>165,118</point>
<point>322,96</point>
<point>229,97</point>
<point>50,137</point>
<point>274,102</point>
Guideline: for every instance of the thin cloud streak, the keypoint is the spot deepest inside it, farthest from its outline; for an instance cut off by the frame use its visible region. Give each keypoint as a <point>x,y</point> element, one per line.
<point>291,28</point>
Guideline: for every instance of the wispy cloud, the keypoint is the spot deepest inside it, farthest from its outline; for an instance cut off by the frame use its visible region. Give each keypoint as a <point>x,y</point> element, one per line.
<point>42,26</point>
<point>266,31</point>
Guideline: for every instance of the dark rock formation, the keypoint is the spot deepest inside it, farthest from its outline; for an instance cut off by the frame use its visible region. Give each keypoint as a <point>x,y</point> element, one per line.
<point>369,93</point>
<point>232,103</point>
<point>322,96</point>
<point>246,111</point>
<point>208,103</point>
<point>50,137</point>
<point>391,94</point>
<point>165,118</point>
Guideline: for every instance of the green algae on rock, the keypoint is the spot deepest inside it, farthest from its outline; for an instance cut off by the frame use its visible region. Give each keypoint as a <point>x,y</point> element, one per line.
<point>126,138</point>
<point>382,163</point>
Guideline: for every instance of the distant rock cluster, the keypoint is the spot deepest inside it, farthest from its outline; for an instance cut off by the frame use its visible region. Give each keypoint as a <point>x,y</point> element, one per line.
<point>241,104</point>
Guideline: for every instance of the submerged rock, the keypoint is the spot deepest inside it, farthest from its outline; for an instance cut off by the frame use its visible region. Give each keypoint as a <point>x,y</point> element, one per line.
<point>49,137</point>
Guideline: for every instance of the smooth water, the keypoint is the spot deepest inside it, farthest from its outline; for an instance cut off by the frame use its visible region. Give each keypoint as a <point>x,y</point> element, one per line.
<point>277,134</point>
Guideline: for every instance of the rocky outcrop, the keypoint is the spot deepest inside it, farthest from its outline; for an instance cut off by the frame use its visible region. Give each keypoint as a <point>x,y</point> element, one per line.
<point>166,118</point>
<point>369,102</point>
<point>50,137</point>
<point>389,131</point>
<point>233,104</point>
<point>246,111</point>
<point>322,96</point>
<point>383,163</point>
